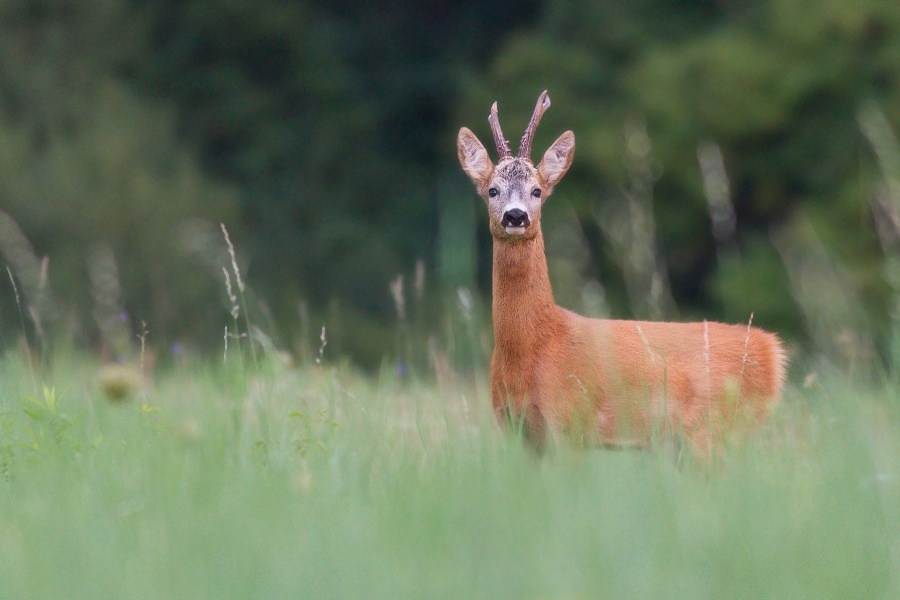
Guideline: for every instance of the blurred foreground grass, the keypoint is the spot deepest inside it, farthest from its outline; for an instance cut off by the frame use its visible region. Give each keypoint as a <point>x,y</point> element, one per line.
<point>319,483</point>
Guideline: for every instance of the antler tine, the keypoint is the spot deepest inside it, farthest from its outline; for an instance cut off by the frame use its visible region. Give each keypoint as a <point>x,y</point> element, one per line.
<point>502,145</point>
<point>543,103</point>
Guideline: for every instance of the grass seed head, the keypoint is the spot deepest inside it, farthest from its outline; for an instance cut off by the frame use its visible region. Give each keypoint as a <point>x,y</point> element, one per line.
<point>119,382</point>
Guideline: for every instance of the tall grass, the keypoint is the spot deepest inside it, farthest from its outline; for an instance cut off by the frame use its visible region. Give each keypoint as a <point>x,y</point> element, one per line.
<point>256,479</point>
<point>382,488</point>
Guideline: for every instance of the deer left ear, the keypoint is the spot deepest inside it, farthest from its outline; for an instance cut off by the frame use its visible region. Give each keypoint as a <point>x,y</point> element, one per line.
<point>557,159</point>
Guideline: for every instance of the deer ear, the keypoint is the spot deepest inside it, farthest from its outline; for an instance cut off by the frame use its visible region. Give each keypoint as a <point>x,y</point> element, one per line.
<point>473,158</point>
<point>557,159</point>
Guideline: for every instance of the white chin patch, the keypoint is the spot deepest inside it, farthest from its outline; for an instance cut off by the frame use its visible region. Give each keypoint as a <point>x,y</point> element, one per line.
<point>514,230</point>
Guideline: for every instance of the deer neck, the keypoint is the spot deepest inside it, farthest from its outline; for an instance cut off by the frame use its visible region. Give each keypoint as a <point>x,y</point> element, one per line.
<point>523,305</point>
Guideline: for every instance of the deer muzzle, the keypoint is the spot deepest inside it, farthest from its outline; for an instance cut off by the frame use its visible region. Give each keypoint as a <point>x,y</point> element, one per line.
<point>515,220</point>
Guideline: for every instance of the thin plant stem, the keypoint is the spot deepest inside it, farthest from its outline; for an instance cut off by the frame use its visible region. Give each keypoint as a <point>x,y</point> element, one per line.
<point>24,333</point>
<point>243,299</point>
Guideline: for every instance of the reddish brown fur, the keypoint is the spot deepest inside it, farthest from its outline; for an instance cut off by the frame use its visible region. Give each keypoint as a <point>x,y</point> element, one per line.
<point>609,381</point>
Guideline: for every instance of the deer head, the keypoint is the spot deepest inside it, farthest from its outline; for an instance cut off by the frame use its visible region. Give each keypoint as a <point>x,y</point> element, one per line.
<point>514,189</point>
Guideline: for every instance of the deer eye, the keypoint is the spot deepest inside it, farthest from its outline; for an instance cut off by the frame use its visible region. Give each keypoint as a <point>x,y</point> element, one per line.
<point>493,192</point>
<point>536,193</point>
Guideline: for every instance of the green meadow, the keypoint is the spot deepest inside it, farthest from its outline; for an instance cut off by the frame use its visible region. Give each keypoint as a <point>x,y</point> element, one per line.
<point>191,191</point>
<point>218,480</point>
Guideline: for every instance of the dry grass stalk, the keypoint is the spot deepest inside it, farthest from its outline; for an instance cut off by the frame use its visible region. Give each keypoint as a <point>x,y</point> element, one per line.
<point>28,352</point>
<point>825,293</point>
<point>109,311</point>
<point>631,230</point>
<point>717,191</point>
<point>885,205</point>
<point>31,273</point>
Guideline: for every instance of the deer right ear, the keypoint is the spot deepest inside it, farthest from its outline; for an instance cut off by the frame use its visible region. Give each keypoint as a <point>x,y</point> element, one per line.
<point>473,158</point>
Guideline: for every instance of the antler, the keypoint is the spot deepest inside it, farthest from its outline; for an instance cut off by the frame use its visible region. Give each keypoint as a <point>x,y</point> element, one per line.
<point>502,145</point>
<point>543,103</point>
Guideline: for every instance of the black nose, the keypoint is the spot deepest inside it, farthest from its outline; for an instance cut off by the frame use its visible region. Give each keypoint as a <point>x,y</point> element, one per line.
<point>515,218</point>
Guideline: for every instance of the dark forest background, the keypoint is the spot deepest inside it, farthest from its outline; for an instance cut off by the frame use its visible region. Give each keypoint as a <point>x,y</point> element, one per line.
<point>733,157</point>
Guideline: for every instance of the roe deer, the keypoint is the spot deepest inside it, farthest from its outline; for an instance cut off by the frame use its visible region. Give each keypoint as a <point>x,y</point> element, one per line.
<point>599,381</point>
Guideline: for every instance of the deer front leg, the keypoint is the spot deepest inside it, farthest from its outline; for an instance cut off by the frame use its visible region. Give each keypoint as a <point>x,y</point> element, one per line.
<point>523,418</point>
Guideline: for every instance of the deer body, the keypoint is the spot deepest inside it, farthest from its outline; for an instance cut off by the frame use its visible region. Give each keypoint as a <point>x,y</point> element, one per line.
<point>600,381</point>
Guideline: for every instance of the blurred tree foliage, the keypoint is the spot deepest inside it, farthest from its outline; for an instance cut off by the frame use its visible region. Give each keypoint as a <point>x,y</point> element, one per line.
<point>331,117</point>
<point>777,85</point>
<point>88,163</point>
<point>324,133</point>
